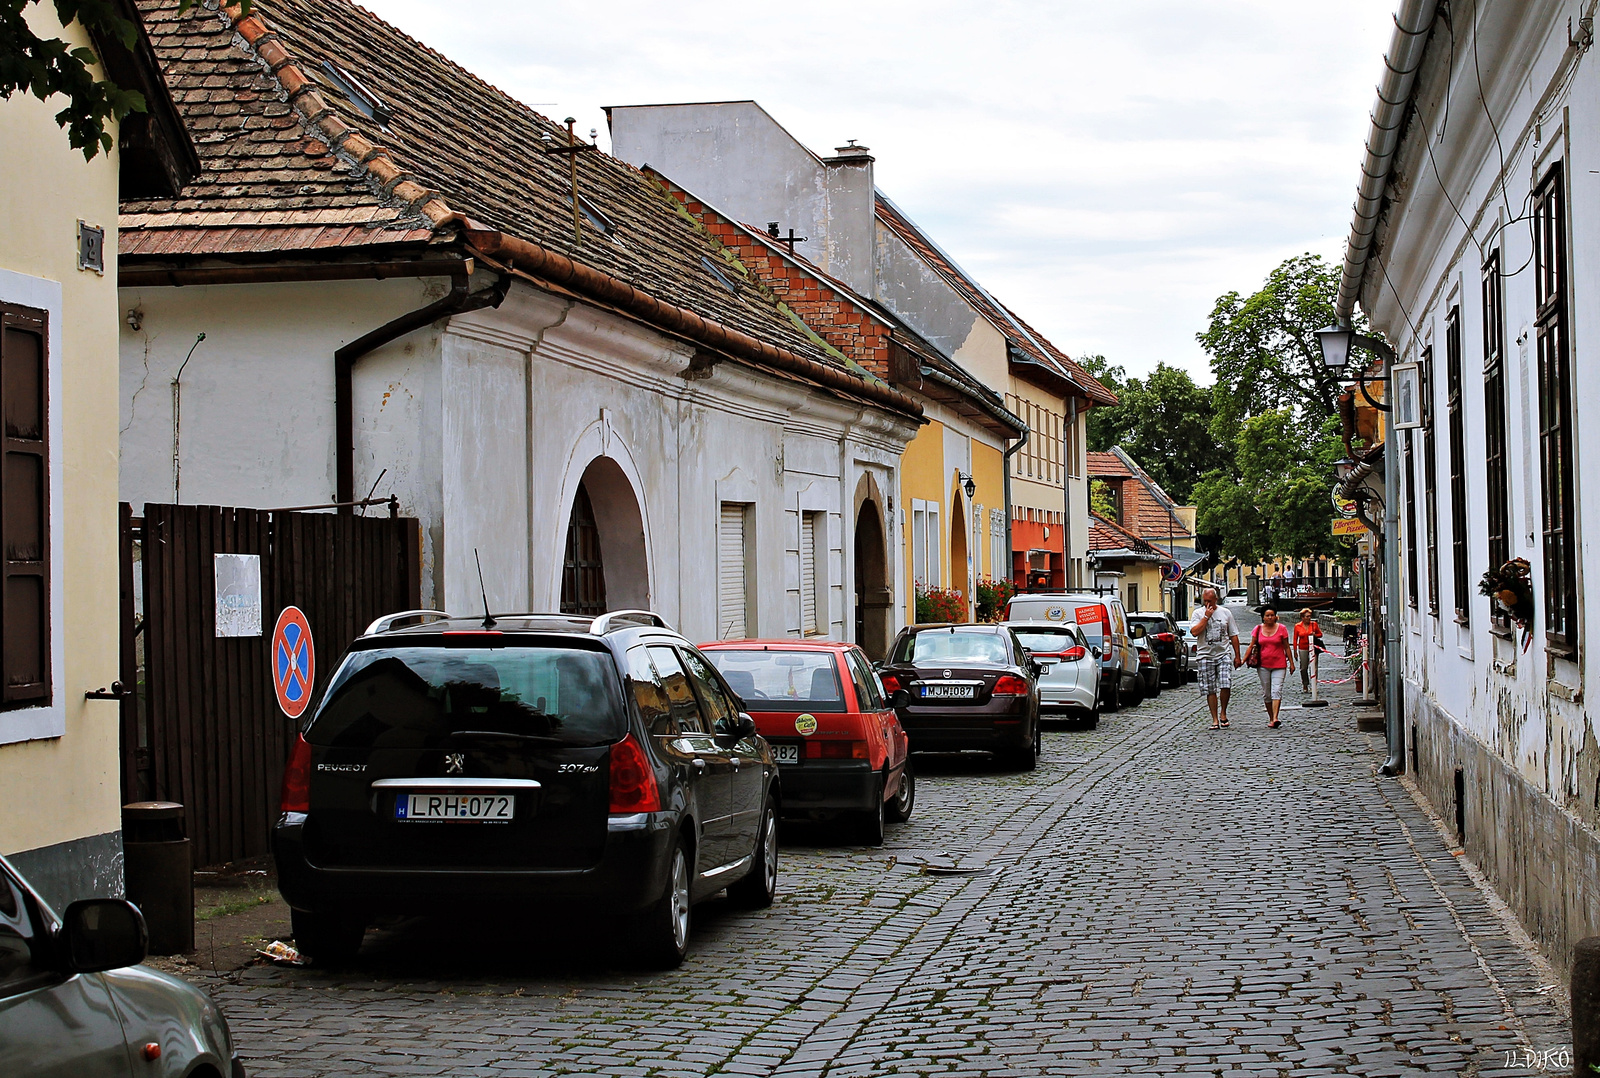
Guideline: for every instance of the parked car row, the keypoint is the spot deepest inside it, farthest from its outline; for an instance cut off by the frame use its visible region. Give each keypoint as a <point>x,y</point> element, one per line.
<point>1138,654</point>
<point>608,763</point>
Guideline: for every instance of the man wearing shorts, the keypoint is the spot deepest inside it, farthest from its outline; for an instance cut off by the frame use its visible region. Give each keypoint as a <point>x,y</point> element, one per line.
<point>1213,630</point>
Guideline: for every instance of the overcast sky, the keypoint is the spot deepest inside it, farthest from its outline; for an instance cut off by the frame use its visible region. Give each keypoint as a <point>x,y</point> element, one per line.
<point>1107,169</point>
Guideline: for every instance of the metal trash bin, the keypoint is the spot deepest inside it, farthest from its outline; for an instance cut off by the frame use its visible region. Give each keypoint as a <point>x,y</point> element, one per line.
<point>158,864</point>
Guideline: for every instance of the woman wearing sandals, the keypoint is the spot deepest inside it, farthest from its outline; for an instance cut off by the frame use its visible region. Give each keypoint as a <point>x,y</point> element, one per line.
<point>1274,661</point>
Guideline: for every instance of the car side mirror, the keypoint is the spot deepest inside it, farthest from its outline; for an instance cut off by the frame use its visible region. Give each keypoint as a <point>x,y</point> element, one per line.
<point>746,726</point>
<point>102,934</point>
<point>899,698</point>
<point>1095,651</point>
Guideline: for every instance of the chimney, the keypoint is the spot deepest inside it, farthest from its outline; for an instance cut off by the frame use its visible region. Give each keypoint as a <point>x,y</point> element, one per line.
<point>850,154</point>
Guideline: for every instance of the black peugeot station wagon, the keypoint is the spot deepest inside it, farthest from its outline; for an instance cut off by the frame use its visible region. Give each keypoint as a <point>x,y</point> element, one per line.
<point>456,762</point>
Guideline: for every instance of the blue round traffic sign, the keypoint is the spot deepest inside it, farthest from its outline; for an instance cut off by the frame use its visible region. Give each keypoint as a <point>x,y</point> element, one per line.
<point>294,661</point>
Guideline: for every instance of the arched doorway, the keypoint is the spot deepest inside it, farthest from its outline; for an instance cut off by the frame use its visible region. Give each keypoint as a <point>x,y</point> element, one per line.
<point>958,548</point>
<point>605,566</point>
<point>874,597</point>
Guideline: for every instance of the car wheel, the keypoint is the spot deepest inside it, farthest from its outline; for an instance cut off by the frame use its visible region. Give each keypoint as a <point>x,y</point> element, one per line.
<point>869,824</point>
<point>661,934</point>
<point>905,798</point>
<point>757,890</point>
<point>1113,694</point>
<point>327,939</point>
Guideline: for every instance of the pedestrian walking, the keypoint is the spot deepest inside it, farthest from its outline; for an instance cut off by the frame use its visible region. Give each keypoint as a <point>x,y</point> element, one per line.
<point>1307,635</point>
<point>1273,659</point>
<point>1213,630</point>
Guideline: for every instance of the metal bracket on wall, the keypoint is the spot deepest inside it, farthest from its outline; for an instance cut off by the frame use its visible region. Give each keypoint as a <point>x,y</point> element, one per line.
<point>118,691</point>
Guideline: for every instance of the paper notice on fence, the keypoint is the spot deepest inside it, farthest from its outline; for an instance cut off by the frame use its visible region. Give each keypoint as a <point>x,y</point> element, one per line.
<point>238,594</point>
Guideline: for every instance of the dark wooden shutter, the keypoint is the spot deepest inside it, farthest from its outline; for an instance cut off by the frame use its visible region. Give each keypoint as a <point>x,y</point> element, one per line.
<point>24,509</point>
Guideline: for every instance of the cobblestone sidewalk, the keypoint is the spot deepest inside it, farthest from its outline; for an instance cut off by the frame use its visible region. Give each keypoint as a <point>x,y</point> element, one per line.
<point>1157,898</point>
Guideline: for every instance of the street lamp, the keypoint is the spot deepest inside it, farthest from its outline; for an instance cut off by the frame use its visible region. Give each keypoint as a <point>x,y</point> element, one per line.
<point>1335,342</point>
<point>967,484</point>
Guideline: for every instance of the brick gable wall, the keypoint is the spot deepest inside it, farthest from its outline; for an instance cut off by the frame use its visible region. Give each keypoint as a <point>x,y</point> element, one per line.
<point>830,313</point>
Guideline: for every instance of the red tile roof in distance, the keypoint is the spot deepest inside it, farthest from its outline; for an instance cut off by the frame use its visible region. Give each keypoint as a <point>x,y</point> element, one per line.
<point>1001,317</point>
<point>293,163</point>
<point>1107,535</point>
<point>1144,511</point>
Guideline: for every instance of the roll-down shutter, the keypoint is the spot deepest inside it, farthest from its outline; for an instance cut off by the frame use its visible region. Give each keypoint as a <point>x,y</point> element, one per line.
<point>732,592</point>
<point>808,575</point>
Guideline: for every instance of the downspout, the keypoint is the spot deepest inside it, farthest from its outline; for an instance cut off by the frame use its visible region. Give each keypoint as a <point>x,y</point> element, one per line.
<point>460,300</point>
<point>1066,494</point>
<point>1005,465</point>
<point>1413,25</point>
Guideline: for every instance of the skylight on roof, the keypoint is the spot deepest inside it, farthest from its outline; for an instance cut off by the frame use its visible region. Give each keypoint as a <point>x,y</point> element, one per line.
<point>366,102</point>
<point>597,220</point>
<point>722,278</point>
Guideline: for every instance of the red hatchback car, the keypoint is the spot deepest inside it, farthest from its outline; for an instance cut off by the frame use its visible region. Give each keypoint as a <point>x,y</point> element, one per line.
<point>838,744</point>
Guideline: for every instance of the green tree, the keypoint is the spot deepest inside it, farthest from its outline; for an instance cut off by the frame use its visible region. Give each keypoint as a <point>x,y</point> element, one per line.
<point>1264,350</point>
<point>1107,423</point>
<point>46,67</point>
<point>1101,501</point>
<point>1163,421</point>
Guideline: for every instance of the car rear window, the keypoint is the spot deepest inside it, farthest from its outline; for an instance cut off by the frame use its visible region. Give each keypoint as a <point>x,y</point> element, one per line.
<point>417,696</point>
<point>1048,641</point>
<point>945,646</point>
<point>1150,625</point>
<point>778,680</point>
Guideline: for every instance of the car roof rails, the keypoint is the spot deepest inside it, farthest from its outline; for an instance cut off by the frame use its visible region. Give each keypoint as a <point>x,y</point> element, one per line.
<point>603,624</point>
<point>385,623</point>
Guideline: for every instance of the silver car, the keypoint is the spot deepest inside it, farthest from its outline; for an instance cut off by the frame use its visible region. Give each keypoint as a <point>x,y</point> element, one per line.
<point>1070,682</point>
<point>73,1000</point>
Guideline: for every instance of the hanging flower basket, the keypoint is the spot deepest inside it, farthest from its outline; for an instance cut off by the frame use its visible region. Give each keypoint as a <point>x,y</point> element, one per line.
<point>1511,586</point>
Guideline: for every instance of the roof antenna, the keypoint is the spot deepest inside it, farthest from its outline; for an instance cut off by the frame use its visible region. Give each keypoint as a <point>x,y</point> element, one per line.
<point>488,618</point>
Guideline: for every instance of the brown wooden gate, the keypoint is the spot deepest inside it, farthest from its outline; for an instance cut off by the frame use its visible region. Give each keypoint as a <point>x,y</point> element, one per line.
<point>204,727</point>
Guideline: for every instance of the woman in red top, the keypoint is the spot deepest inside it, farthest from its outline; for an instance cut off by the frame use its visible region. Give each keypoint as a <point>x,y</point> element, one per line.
<point>1307,635</point>
<point>1276,660</point>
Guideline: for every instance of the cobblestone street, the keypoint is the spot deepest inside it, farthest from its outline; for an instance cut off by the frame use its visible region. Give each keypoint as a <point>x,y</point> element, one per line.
<point>1157,898</point>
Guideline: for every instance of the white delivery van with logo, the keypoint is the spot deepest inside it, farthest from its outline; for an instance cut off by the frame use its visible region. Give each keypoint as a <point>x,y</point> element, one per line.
<point>1105,626</point>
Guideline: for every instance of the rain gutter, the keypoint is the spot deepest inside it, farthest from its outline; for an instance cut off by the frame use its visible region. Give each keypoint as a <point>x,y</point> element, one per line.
<point>1413,25</point>
<point>563,271</point>
<point>460,300</point>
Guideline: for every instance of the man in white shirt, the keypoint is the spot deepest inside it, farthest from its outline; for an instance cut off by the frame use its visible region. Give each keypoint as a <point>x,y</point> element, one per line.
<point>1213,629</point>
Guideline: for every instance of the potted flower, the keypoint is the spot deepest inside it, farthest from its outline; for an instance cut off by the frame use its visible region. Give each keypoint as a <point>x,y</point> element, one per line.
<point>1511,586</point>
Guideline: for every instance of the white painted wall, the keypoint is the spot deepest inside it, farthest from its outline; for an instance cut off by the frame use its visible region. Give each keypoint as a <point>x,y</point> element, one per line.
<point>488,423</point>
<point>1526,707</point>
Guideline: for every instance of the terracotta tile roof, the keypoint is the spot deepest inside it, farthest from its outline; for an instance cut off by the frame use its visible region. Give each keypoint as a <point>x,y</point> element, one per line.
<point>1146,508</point>
<point>1106,535</point>
<point>1024,338</point>
<point>292,163</point>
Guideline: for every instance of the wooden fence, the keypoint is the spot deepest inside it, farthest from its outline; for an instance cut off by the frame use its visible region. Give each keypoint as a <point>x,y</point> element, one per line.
<point>204,727</point>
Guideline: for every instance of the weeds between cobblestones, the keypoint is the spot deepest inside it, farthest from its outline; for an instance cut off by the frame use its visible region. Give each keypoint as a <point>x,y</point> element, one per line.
<point>1163,900</point>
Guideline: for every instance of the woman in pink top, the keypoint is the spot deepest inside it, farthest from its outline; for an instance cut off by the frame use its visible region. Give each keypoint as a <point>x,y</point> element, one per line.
<point>1276,660</point>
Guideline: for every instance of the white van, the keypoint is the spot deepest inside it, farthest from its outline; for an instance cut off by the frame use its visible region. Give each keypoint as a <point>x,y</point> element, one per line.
<point>1105,626</point>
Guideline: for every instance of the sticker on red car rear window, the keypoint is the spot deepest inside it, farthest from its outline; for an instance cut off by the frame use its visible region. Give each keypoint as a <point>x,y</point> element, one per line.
<point>805,725</point>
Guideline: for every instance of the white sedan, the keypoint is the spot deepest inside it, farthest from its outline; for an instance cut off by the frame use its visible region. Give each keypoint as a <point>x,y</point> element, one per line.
<point>1070,682</point>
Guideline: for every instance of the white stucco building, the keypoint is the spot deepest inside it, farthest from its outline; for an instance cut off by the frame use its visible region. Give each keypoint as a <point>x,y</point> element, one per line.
<point>617,419</point>
<point>737,157</point>
<point>1473,253</point>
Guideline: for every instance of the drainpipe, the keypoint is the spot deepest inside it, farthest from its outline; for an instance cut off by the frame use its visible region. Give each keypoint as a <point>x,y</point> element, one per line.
<point>1066,495</point>
<point>1393,694</point>
<point>460,300</point>
<point>1005,465</point>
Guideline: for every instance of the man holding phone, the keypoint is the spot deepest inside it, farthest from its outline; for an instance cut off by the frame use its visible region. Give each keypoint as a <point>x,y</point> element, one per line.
<point>1213,629</point>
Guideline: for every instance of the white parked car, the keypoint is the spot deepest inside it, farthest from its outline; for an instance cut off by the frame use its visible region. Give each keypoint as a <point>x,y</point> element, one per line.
<point>1190,648</point>
<point>1236,597</point>
<point>1070,682</point>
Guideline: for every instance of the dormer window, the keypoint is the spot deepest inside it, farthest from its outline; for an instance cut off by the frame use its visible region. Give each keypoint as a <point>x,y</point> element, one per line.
<point>366,102</point>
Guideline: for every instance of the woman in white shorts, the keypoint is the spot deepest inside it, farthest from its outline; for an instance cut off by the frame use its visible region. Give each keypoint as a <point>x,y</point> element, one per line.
<point>1276,659</point>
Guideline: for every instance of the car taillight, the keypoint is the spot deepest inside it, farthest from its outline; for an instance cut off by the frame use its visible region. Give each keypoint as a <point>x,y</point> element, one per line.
<point>1165,638</point>
<point>836,750</point>
<point>633,780</point>
<point>1010,685</point>
<point>295,794</point>
<point>890,682</point>
<point>1105,622</point>
<point>1073,653</point>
